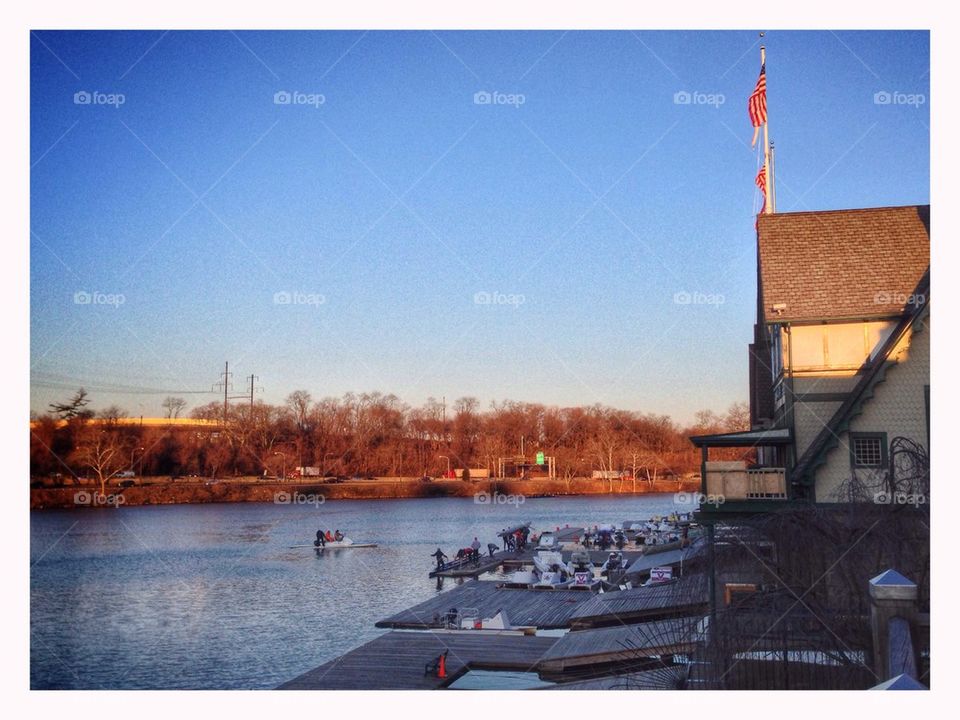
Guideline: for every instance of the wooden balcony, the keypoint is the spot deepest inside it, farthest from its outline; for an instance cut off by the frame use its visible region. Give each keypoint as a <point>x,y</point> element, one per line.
<point>732,480</point>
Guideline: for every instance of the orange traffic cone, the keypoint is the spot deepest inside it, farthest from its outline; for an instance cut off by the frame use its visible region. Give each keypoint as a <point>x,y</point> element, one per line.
<point>442,666</point>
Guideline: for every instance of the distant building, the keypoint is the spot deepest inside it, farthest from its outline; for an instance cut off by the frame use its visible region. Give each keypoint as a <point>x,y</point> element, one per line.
<point>839,366</point>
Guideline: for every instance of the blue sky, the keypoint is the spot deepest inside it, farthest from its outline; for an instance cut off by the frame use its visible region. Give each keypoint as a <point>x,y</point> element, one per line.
<point>389,207</point>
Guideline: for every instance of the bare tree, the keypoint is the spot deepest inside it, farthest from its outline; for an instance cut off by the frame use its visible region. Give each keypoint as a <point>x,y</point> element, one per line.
<point>103,452</point>
<point>174,406</point>
<point>73,408</point>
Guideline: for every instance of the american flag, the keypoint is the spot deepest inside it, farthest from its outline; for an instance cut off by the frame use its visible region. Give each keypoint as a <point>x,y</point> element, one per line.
<point>761,181</point>
<point>757,105</point>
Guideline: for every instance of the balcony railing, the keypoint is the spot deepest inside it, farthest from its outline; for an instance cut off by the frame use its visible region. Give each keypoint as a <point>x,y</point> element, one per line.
<point>732,480</point>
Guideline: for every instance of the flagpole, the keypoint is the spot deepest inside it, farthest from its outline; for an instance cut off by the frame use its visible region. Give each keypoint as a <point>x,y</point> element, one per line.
<point>773,170</point>
<point>768,199</point>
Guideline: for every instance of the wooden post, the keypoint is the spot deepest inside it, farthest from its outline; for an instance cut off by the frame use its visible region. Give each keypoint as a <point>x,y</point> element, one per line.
<point>893,606</point>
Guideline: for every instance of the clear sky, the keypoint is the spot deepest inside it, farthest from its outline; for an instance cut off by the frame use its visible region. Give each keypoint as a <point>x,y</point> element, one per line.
<point>533,247</point>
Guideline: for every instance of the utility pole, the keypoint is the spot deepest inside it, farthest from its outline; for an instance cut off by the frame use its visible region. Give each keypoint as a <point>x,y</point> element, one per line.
<point>228,386</point>
<point>252,379</point>
<point>225,381</point>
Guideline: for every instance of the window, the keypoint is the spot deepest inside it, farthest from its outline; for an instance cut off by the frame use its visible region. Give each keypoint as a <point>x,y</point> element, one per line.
<point>868,450</point>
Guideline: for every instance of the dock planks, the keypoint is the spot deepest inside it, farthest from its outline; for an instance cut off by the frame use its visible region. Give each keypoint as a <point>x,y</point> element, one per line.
<point>621,643</point>
<point>545,609</point>
<point>668,678</point>
<point>395,661</point>
<point>685,596</point>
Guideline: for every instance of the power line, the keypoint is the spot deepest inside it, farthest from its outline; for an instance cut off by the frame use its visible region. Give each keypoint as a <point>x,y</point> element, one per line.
<point>110,388</point>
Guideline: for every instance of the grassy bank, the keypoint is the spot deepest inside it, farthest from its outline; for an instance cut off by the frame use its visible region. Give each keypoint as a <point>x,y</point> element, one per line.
<point>164,492</point>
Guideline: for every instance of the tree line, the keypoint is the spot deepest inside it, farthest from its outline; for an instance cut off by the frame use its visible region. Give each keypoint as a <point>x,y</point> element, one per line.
<point>367,435</point>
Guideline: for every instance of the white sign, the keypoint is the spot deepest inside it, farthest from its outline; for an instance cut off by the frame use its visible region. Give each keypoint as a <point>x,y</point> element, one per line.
<point>582,578</point>
<point>661,574</point>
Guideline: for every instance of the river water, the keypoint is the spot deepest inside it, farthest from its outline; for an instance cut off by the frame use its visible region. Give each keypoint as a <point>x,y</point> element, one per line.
<point>212,596</point>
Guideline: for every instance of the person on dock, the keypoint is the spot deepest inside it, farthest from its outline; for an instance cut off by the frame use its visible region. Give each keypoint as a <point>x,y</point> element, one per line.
<point>440,558</point>
<point>320,541</point>
<point>338,536</point>
<point>329,537</point>
<point>491,548</point>
<point>503,534</point>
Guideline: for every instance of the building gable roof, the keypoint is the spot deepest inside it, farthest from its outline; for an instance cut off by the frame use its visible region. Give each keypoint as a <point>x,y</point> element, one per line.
<point>841,264</point>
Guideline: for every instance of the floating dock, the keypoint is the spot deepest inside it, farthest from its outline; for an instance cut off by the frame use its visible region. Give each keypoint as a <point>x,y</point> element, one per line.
<point>543,609</point>
<point>396,660</point>
<point>686,596</point>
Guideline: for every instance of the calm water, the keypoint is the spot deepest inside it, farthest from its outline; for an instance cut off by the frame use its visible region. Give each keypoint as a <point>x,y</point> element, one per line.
<point>211,596</point>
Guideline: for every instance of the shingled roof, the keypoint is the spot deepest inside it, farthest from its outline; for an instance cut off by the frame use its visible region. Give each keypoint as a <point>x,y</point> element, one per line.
<point>838,264</point>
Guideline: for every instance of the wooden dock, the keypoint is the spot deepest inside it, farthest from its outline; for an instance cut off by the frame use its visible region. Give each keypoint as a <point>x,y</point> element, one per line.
<point>667,678</point>
<point>468,569</point>
<point>396,660</point>
<point>544,609</point>
<point>617,646</point>
<point>683,597</point>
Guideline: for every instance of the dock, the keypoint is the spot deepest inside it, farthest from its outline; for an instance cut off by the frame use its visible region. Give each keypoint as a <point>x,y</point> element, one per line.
<point>666,678</point>
<point>542,609</point>
<point>469,569</point>
<point>396,660</point>
<point>610,635</point>
<point>640,560</point>
<point>619,646</point>
<point>683,597</point>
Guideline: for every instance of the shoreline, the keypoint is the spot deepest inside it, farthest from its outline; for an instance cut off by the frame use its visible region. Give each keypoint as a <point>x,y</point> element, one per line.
<point>493,491</point>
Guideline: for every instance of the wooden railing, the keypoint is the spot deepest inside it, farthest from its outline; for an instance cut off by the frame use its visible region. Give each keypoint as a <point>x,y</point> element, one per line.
<point>733,481</point>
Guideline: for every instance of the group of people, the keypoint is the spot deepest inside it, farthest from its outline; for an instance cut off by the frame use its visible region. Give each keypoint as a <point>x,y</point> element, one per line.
<point>517,540</point>
<point>471,553</point>
<point>604,538</point>
<point>324,537</point>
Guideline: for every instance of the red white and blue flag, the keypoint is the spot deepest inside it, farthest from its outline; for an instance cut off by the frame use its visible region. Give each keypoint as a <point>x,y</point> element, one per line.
<point>761,181</point>
<point>757,104</point>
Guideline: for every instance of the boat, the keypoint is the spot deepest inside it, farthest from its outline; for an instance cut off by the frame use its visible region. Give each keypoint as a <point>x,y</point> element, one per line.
<point>550,569</point>
<point>345,544</point>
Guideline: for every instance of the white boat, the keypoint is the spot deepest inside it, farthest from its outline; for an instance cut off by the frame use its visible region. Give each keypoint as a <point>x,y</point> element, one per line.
<point>345,544</point>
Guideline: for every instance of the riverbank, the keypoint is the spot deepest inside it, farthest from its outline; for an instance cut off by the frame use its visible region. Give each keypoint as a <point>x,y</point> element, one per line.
<point>162,491</point>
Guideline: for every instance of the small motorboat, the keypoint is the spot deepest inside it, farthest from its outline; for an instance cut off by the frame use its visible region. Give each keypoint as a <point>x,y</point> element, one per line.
<point>345,544</point>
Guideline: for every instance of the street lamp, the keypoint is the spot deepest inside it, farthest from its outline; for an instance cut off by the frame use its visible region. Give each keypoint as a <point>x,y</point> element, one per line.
<point>325,456</point>
<point>133,454</point>
<point>447,458</point>
<point>284,464</point>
